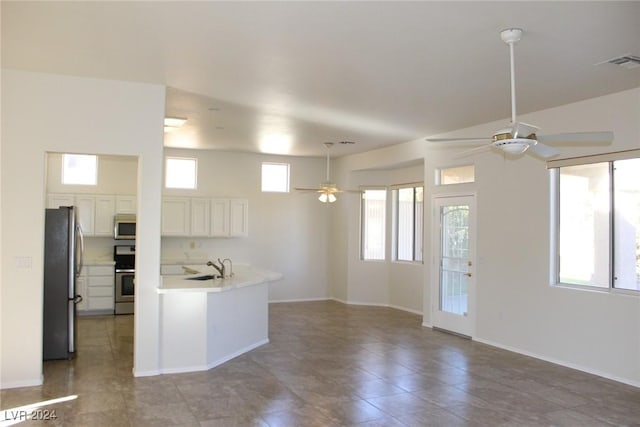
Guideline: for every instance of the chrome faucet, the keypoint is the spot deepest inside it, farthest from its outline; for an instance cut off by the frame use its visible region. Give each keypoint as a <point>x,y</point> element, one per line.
<point>219,268</point>
<point>230,266</point>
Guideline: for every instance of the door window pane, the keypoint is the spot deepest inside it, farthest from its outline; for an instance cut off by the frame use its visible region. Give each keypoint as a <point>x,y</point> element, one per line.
<point>454,250</point>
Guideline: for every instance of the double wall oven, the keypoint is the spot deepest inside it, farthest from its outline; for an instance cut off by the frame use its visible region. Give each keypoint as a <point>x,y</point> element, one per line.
<point>125,264</point>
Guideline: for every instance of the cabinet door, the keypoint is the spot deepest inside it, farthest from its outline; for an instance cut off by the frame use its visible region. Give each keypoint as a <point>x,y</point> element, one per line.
<point>81,289</point>
<point>86,213</point>
<point>105,209</point>
<point>200,217</point>
<point>238,218</point>
<point>55,200</point>
<point>175,216</point>
<point>220,217</point>
<point>126,204</point>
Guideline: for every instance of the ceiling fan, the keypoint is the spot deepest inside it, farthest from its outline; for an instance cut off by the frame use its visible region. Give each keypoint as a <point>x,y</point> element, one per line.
<point>328,189</point>
<point>520,137</point>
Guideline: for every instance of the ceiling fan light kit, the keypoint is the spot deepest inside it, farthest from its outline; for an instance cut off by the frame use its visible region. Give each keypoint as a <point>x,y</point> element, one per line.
<point>327,189</point>
<point>520,137</point>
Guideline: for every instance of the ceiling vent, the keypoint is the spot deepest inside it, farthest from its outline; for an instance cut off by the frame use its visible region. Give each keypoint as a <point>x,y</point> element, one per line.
<point>626,61</point>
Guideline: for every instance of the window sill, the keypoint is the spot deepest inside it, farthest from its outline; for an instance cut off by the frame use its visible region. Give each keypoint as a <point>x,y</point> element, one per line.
<point>611,291</point>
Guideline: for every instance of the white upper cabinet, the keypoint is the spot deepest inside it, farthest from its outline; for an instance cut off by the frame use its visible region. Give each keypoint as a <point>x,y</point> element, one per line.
<point>104,212</point>
<point>176,216</point>
<point>200,217</point>
<point>126,204</point>
<point>203,217</point>
<point>55,200</point>
<point>86,213</point>
<point>238,218</point>
<point>220,217</point>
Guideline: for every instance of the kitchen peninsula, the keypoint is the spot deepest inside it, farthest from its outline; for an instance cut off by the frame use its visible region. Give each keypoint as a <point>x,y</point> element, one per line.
<point>206,322</point>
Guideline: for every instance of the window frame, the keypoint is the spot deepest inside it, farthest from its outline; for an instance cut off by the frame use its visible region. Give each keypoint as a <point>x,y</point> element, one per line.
<point>554,167</point>
<point>395,189</point>
<point>439,171</point>
<point>363,191</point>
<point>195,172</point>
<point>288,183</point>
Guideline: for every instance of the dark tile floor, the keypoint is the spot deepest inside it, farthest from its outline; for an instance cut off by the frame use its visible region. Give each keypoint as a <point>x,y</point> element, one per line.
<point>328,364</point>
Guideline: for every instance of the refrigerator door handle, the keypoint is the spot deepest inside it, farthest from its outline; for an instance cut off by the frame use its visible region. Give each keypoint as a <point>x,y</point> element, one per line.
<point>80,261</point>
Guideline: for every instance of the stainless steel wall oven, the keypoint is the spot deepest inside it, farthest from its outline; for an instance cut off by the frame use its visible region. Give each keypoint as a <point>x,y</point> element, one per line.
<point>125,273</point>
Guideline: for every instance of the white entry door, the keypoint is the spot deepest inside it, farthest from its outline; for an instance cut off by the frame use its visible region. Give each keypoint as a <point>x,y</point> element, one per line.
<point>454,249</point>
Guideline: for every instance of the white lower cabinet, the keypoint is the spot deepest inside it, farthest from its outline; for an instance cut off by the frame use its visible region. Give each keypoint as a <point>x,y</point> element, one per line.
<point>99,284</point>
<point>81,289</point>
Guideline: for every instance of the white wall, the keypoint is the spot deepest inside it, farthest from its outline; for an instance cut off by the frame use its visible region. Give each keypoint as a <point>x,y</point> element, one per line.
<point>516,307</point>
<point>388,283</point>
<point>49,113</point>
<point>287,231</point>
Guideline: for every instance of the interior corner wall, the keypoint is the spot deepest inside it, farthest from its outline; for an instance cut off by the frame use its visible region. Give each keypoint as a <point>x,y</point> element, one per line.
<point>385,283</point>
<point>517,309</point>
<point>51,113</point>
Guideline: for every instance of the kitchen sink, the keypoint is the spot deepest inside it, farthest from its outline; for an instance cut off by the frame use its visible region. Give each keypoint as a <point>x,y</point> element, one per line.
<point>205,277</point>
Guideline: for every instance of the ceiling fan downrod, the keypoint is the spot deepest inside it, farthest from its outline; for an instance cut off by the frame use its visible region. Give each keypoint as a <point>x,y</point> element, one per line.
<point>511,36</point>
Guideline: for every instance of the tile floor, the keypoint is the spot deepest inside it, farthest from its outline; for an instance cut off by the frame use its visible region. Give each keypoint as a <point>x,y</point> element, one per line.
<point>329,364</point>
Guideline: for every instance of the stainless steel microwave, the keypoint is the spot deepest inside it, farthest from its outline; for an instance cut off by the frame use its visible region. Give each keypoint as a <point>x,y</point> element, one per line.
<point>124,227</point>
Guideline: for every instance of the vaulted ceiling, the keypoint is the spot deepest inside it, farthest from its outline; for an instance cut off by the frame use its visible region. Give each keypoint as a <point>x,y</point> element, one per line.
<point>288,76</point>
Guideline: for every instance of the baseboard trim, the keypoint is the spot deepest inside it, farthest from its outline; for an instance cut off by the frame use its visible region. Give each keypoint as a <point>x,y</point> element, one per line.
<point>397,307</point>
<point>25,383</point>
<point>237,353</point>
<point>559,362</point>
<point>277,301</point>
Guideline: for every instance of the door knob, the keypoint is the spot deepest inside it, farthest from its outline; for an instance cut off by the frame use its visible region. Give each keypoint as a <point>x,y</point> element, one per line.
<point>468,274</point>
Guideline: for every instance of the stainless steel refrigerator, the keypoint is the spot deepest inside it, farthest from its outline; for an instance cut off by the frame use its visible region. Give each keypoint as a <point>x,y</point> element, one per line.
<point>63,247</point>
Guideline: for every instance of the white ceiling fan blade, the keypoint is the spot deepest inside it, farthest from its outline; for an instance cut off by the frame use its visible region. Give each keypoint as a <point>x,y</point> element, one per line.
<point>578,137</point>
<point>543,151</point>
<point>451,141</point>
<point>308,189</point>
<point>480,149</point>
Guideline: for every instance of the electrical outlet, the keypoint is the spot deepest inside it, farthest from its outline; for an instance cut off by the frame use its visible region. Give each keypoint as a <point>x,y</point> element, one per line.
<point>193,245</point>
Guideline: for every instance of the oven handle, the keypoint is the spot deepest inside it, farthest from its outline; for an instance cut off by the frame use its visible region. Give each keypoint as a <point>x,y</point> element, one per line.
<point>126,271</point>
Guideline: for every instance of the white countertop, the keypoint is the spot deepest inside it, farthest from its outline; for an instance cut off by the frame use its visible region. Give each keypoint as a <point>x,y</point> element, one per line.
<point>243,275</point>
<point>98,261</point>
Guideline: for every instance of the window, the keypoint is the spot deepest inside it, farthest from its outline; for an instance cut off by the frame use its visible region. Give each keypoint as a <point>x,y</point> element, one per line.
<point>455,175</point>
<point>79,169</point>
<point>181,173</point>
<point>408,208</point>
<point>597,214</point>
<point>372,218</point>
<point>275,177</point>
